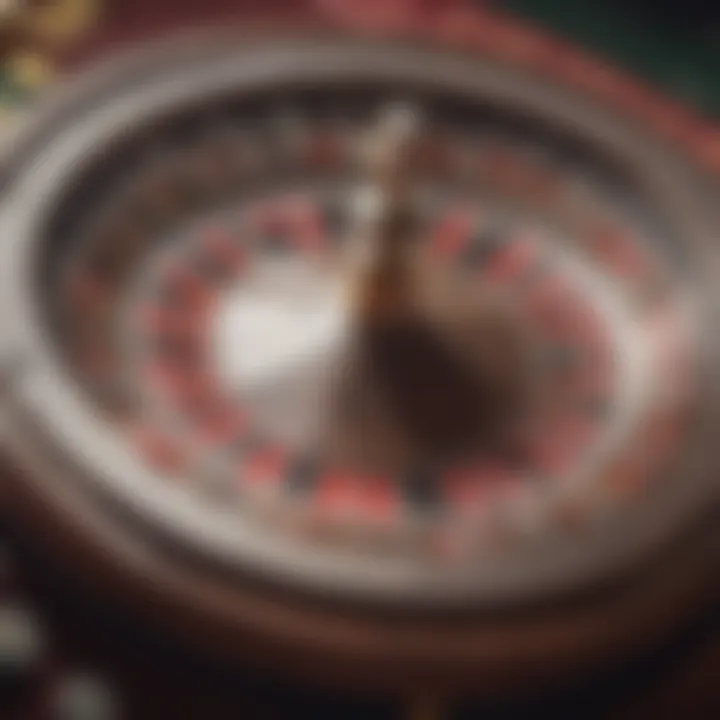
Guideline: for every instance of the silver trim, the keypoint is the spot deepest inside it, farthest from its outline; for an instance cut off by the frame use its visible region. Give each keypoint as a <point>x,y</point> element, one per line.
<point>57,408</point>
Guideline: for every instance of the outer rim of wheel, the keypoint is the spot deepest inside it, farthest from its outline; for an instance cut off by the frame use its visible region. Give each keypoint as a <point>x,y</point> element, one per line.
<point>53,402</point>
<point>20,345</point>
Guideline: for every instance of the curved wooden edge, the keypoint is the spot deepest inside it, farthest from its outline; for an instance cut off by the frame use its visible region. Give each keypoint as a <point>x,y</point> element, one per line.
<point>351,648</point>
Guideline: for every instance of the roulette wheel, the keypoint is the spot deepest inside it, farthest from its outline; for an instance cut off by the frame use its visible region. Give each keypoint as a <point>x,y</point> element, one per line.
<point>372,349</point>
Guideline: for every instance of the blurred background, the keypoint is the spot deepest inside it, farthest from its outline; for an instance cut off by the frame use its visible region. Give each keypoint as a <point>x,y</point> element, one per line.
<point>673,45</point>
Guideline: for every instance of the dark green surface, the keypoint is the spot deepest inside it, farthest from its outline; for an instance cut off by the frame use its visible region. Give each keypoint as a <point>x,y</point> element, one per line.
<point>683,59</point>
